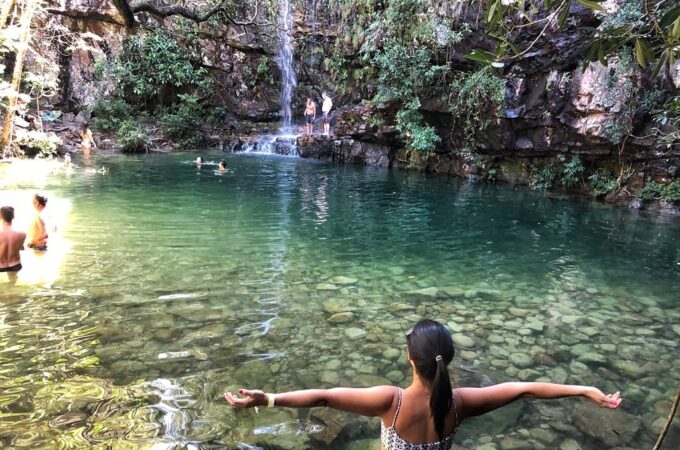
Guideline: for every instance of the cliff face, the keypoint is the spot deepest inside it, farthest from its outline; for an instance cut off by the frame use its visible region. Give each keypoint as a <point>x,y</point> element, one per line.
<point>552,107</point>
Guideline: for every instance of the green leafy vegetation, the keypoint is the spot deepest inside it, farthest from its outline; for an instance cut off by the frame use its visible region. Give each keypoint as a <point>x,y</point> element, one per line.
<point>37,143</point>
<point>657,191</point>
<point>157,74</point>
<point>110,113</point>
<point>666,119</point>
<point>405,52</point>
<point>153,69</point>
<point>649,27</point>
<point>602,183</point>
<point>542,178</point>
<point>182,121</point>
<point>474,99</point>
<point>621,93</point>
<point>131,138</point>
<point>572,171</point>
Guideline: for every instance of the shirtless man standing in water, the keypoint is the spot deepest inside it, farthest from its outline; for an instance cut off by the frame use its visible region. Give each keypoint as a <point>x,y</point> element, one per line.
<point>11,242</point>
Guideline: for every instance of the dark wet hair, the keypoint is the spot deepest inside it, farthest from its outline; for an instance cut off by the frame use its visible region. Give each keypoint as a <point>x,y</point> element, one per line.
<point>84,126</point>
<point>42,201</point>
<point>427,342</point>
<point>7,213</point>
<point>223,163</point>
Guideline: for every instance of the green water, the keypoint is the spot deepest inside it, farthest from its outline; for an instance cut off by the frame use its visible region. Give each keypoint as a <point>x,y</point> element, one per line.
<point>167,285</point>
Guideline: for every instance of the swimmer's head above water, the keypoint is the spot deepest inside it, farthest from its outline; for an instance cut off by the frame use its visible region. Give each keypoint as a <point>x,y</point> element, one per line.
<point>223,165</point>
<point>199,160</point>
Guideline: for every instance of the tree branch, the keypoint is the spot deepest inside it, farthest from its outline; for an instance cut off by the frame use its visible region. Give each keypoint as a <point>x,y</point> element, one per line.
<point>85,15</point>
<point>176,10</point>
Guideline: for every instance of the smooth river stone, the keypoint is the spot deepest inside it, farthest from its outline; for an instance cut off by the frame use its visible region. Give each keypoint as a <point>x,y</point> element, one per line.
<point>570,444</point>
<point>326,287</point>
<point>610,427</point>
<point>425,292</point>
<point>391,353</point>
<point>342,317</point>
<point>452,292</point>
<point>354,334</point>
<point>518,312</point>
<point>344,281</point>
<point>396,270</point>
<point>454,327</point>
<point>336,306</point>
<point>333,364</point>
<point>521,360</point>
<point>463,341</point>
<point>395,376</point>
<point>534,325</point>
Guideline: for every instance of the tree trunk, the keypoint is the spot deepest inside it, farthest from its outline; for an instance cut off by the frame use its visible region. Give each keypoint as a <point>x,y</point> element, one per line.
<point>29,7</point>
<point>4,12</point>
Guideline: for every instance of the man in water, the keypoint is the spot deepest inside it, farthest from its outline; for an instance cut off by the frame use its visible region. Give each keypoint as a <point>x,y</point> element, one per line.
<point>310,116</point>
<point>37,231</point>
<point>11,242</point>
<point>326,109</point>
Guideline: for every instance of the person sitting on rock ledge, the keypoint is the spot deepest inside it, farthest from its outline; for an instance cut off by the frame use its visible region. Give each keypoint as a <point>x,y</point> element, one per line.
<point>431,410</point>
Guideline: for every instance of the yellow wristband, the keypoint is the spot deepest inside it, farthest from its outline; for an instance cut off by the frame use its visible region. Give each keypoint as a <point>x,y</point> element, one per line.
<point>270,400</point>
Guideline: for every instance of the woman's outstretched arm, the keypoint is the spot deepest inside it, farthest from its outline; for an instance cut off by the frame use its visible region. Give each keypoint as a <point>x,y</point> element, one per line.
<point>374,401</point>
<point>477,401</point>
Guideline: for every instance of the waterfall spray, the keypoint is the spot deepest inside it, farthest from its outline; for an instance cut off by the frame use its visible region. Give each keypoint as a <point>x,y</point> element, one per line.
<point>285,62</point>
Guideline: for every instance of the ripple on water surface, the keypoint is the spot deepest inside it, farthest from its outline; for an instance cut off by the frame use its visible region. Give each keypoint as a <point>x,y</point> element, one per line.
<point>175,285</point>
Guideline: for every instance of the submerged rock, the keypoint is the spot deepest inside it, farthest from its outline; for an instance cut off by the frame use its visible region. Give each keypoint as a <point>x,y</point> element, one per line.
<point>611,427</point>
<point>342,317</point>
<point>343,281</point>
<point>354,334</point>
<point>430,292</point>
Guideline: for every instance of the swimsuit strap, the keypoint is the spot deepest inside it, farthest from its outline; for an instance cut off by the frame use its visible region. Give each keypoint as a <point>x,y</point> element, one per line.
<point>396,413</point>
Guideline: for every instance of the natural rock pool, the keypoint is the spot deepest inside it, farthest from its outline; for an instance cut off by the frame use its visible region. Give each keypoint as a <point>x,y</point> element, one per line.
<point>170,284</point>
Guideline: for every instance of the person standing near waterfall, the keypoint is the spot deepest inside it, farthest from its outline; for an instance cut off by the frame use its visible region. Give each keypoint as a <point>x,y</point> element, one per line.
<point>310,116</point>
<point>326,109</point>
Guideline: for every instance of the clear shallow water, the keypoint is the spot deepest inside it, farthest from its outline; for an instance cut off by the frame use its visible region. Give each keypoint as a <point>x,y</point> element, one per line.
<point>169,284</point>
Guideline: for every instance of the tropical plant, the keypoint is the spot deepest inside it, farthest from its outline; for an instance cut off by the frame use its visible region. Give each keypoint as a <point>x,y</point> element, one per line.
<point>131,138</point>
<point>651,27</point>
<point>153,69</point>
<point>474,99</point>
<point>183,122</point>
<point>404,52</point>
<point>109,114</point>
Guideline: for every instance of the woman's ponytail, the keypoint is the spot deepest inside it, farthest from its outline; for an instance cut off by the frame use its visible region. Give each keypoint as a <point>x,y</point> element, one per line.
<point>430,347</point>
<point>441,399</point>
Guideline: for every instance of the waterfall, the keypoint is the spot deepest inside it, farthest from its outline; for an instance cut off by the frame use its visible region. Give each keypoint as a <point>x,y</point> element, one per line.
<point>285,62</point>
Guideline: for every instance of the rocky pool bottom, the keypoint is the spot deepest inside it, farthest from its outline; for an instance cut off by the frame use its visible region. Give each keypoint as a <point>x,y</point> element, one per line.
<point>139,385</point>
<point>178,284</point>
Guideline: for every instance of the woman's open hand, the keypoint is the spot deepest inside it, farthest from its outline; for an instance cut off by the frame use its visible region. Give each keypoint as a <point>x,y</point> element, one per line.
<point>605,401</point>
<point>250,399</point>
